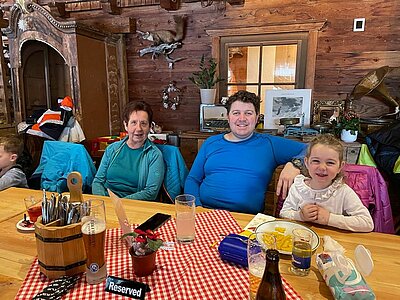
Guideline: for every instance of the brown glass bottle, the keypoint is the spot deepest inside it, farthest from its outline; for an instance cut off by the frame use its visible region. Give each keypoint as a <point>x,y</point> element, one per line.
<point>271,287</point>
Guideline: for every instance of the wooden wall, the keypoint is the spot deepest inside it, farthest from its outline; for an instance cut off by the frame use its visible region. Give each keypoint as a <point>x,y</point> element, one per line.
<point>343,56</point>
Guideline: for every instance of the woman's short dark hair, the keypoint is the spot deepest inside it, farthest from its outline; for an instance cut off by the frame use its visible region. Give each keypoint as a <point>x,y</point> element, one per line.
<point>137,106</point>
<point>246,97</point>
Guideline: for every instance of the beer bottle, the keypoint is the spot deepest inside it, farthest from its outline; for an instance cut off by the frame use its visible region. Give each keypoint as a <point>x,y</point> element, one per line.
<point>271,287</point>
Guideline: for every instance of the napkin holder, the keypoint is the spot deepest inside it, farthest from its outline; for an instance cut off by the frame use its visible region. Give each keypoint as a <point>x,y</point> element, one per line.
<point>233,248</point>
<point>60,249</point>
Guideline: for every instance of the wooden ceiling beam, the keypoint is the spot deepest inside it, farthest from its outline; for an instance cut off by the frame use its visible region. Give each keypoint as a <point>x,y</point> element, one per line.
<point>57,9</point>
<point>113,25</point>
<point>110,6</point>
<point>236,2</point>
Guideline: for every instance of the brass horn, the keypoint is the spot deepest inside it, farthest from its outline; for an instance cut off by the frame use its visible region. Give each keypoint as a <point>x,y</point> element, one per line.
<point>373,85</point>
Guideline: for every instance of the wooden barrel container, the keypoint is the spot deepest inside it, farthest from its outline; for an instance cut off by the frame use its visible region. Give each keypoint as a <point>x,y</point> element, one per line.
<point>60,249</point>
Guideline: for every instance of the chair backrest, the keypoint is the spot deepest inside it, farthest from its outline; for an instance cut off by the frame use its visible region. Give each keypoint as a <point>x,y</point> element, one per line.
<point>279,205</point>
<point>58,160</point>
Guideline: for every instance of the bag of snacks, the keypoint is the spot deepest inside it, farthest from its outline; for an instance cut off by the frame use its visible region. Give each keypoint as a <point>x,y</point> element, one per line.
<point>341,275</point>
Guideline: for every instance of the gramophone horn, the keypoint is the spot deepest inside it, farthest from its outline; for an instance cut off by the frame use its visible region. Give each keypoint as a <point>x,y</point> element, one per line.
<point>372,85</point>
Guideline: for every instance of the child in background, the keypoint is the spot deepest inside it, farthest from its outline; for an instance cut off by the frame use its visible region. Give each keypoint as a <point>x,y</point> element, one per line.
<point>323,197</point>
<point>11,173</point>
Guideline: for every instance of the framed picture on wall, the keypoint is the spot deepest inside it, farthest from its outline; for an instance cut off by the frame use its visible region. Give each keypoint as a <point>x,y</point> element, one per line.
<point>327,110</point>
<point>286,104</point>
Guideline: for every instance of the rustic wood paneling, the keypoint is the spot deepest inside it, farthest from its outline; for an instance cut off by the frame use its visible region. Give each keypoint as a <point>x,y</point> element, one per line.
<point>343,56</point>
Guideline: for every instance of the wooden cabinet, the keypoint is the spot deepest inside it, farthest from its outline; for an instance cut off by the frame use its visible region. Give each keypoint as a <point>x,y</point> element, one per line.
<point>6,117</point>
<point>81,61</point>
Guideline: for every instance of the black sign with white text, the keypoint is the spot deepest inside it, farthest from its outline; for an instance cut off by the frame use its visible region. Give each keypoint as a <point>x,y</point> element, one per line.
<point>128,288</point>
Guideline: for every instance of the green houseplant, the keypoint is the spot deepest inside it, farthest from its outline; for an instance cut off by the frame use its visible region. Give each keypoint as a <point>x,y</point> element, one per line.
<point>206,79</point>
<point>347,126</point>
<point>144,250</point>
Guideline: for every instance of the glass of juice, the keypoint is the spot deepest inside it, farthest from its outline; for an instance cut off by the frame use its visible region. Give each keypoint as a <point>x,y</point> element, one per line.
<point>185,218</point>
<point>34,207</point>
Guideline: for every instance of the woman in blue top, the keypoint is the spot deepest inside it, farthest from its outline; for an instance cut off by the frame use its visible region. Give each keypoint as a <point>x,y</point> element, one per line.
<point>134,167</point>
<point>232,170</point>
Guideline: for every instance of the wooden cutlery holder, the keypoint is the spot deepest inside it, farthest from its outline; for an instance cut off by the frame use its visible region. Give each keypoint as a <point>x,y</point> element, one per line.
<point>60,249</point>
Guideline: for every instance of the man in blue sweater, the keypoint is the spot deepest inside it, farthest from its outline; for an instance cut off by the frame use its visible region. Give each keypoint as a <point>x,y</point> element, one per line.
<point>232,170</point>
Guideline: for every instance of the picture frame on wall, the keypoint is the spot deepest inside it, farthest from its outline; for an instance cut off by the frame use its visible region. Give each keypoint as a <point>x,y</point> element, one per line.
<point>327,110</point>
<point>286,104</point>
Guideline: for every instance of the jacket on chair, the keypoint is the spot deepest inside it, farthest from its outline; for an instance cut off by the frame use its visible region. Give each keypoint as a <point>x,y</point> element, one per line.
<point>370,186</point>
<point>175,171</point>
<point>58,159</point>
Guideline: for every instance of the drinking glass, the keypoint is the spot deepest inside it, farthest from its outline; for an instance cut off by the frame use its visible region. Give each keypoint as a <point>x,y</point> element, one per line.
<point>34,207</point>
<point>185,218</point>
<point>257,244</point>
<point>301,253</point>
<point>94,234</point>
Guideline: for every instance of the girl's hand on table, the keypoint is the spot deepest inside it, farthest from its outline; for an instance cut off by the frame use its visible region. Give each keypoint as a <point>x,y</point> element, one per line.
<point>309,212</point>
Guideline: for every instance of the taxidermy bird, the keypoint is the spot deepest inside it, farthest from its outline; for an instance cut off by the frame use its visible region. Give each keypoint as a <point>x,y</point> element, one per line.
<point>166,36</point>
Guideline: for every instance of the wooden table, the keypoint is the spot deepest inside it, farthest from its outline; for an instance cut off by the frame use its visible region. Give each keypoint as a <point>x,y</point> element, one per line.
<point>18,250</point>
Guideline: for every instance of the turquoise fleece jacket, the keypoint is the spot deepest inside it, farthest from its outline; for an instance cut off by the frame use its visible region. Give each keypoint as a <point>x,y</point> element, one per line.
<point>176,170</point>
<point>151,171</point>
<point>58,160</point>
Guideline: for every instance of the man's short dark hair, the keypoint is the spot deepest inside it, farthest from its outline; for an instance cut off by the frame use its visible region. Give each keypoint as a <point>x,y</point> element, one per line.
<point>246,97</point>
<point>137,106</point>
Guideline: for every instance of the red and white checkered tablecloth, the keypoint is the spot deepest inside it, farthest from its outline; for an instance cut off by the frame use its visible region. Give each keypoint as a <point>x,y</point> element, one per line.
<point>192,271</point>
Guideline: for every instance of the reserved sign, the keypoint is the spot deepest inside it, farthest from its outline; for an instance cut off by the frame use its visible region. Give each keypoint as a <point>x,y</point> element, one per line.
<point>128,288</point>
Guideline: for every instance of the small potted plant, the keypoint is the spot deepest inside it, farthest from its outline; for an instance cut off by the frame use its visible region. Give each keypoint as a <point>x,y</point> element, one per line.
<point>144,251</point>
<point>348,125</point>
<point>206,80</point>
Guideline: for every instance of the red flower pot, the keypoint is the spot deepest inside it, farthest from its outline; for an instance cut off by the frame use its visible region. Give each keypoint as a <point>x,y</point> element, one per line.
<point>143,265</point>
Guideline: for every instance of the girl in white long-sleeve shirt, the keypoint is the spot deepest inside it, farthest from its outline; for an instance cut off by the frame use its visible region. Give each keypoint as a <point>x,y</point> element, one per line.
<point>323,197</point>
